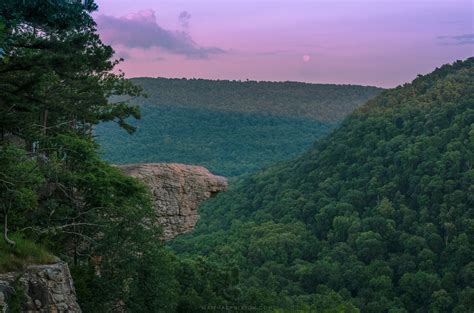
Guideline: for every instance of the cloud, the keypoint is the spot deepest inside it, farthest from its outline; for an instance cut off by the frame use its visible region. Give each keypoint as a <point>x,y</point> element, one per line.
<point>272,52</point>
<point>123,54</point>
<point>140,30</point>
<point>184,18</point>
<point>467,39</point>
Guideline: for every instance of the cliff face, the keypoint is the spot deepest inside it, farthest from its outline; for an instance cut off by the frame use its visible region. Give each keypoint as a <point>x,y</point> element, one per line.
<point>177,191</point>
<point>40,288</point>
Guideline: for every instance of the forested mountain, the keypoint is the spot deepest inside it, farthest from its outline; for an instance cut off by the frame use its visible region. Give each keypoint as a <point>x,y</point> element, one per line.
<point>227,143</point>
<point>320,102</point>
<point>230,127</point>
<point>377,216</point>
<point>57,197</point>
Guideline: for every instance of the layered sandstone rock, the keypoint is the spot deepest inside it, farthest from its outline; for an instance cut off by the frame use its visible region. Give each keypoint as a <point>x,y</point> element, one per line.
<point>40,288</point>
<point>177,191</point>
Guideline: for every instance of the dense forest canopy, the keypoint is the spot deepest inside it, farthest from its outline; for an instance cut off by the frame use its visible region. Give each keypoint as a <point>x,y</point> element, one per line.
<point>377,216</point>
<point>230,127</point>
<point>227,143</point>
<point>320,102</point>
<point>57,197</point>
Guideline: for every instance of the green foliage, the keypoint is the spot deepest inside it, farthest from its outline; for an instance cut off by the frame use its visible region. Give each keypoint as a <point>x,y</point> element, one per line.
<point>324,103</point>
<point>19,182</point>
<point>17,298</point>
<point>2,40</point>
<point>230,127</point>
<point>23,254</point>
<point>55,190</point>
<point>226,143</point>
<point>57,77</point>
<point>378,215</point>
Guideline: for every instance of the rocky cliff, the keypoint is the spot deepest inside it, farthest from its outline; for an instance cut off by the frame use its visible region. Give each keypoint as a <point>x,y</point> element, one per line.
<point>39,288</point>
<point>177,191</point>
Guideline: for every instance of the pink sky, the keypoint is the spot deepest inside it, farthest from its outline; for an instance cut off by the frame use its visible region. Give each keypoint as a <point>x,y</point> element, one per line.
<point>368,42</point>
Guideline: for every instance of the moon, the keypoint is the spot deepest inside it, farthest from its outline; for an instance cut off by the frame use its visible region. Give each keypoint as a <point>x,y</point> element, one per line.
<point>306,58</point>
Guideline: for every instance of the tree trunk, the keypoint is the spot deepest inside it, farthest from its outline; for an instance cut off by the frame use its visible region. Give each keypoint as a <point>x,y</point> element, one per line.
<point>5,232</point>
<point>45,121</point>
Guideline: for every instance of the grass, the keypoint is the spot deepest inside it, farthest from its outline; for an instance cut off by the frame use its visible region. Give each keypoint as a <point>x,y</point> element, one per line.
<point>25,253</point>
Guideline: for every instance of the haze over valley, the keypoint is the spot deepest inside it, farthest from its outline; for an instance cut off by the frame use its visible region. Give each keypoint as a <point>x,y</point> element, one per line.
<point>232,128</point>
<point>236,156</point>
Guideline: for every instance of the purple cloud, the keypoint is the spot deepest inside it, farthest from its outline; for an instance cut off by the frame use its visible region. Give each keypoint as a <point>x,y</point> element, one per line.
<point>184,18</point>
<point>467,39</point>
<point>141,30</point>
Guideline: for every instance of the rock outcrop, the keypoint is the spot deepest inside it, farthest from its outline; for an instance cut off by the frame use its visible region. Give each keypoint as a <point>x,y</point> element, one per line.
<point>177,191</point>
<point>40,289</point>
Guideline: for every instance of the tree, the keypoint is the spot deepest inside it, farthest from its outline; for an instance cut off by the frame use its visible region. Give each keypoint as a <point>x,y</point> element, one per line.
<point>2,41</point>
<point>387,199</point>
<point>58,75</point>
<point>19,180</point>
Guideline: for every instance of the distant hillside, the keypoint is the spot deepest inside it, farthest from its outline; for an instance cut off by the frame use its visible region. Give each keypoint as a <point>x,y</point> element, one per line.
<point>232,128</point>
<point>320,102</point>
<point>226,143</point>
<point>379,215</point>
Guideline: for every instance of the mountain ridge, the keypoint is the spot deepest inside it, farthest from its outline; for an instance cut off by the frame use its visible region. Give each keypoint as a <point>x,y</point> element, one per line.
<point>376,216</point>
<point>293,99</point>
<point>231,128</point>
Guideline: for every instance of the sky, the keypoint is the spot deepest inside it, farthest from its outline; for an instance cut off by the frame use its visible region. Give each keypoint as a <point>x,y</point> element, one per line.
<point>368,42</point>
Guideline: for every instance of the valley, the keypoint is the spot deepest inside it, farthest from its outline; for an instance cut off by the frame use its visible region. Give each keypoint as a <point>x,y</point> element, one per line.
<point>231,128</point>
<point>376,216</point>
<point>187,195</point>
